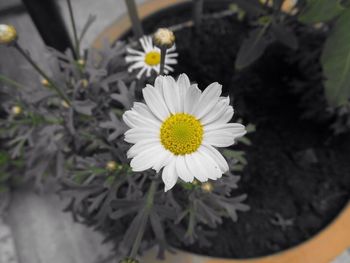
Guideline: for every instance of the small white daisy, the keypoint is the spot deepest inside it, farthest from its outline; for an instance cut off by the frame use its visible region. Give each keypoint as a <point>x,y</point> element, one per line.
<point>149,59</point>
<point>178,127</point>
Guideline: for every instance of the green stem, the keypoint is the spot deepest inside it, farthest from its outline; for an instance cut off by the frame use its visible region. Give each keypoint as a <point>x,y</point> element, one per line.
<point>162,60</point>
<point>75,34</point>
<point>148,208</point>
<point>41,72</point>
<point>134,17</point>
<point>10,82</point>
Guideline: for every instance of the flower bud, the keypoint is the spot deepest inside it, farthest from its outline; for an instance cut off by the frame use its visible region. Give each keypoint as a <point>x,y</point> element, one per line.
<point>288,6</point>
<point>16,110</point>
<point>111,166</point>
<point>164,38</point>
<point>65,104</point>
<point>207,187</point>
<point>84,83</point>
<point>8,34</point>
<point>81,62</point>
<point>45,83</point>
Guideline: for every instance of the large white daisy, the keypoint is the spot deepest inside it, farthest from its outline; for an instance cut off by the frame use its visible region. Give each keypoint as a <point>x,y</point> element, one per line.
<point>178,127</point>
<point>148,60</point>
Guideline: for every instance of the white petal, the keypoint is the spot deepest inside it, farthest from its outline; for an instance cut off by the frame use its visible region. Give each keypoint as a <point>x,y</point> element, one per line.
<point>133,119</point>
<point>216,156</point>
<point>182,169</point>
<point>135,52</point>
<point>223,135</point>
<point>207,166</point>
<point>208,99</point>
<point>195,167</point>
<point>216,113</point>
<point>130,59</point>
<point>155,102</point>
<point>211,166</point>
<point>140,64</point>
<point>183,84</point>
<point>171,94</point>
<point>224,118</point>
<point>135,135</point>
<point>143,110</point>
<point>146,159</point>
<point>142,146</point>
<point>169,175</point>
<point>164,159</point>
<point>192,98</point>
<point>139,75</point>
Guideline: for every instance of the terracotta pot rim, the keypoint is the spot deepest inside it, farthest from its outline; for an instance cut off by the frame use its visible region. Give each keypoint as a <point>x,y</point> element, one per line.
<point>325,236</point>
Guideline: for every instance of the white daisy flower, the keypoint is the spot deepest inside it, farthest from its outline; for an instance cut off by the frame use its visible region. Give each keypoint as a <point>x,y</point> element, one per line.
<point>149,59</point>
<point>178,127</point>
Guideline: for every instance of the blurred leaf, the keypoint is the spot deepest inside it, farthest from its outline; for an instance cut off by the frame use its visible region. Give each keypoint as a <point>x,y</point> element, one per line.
<point>284,35</point>
<point>91,19</point>
<point>320,11</point>
<point>84,107</point>
<point>252,47</point>
<point>335,60</point>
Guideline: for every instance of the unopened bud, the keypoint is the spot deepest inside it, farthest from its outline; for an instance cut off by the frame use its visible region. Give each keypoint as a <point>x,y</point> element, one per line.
<point>8,34</point>
<point>45,83</point>
<point>111,166</point>
<point>207,187</point>
<point>16,110</point>
<point>65,104</point>
<point>164,38</point>
<point>81,62</point>
<point>85,83</point>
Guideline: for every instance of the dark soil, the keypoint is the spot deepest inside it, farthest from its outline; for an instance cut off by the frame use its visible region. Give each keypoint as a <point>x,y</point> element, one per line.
<point>298,173</point>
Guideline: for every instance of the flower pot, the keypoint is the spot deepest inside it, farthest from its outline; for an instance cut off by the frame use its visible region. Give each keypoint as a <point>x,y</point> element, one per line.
<point>321,248</point>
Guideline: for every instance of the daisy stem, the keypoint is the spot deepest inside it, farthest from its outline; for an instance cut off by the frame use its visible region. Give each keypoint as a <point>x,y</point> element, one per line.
<point>147,209</point>
<point>41,72</point>
<point>162,60</point>
<point>197,14</point>
<point>75,34</point>
<point>134,17</point>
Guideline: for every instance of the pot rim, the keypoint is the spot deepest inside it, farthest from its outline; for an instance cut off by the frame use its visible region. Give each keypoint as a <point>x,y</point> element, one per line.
<point>309,250</point>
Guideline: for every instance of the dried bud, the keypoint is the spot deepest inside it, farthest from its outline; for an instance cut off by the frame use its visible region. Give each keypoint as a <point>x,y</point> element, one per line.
<point>288,6</point>
<point>128,260</point>
<point>16,110</point>
<point>164,38</point>
<point>84,83</point>
<point>111,166</point>
<point>45,83</point>
<point>65,104</point>
<point>8,34</point>
<point>207,187</point>
<point>81,62</point>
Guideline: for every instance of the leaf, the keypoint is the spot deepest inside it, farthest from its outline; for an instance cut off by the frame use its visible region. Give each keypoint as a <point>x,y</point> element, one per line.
<point>91,19</point>
<point>252,48</point>
<point>84,107</point>
<point>335,61</point>
<point>284,35</point>
<point>320,11</point>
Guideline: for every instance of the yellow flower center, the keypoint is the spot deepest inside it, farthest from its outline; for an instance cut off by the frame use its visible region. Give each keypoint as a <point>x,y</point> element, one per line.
<point>181,134</point>
<point>152,58</point>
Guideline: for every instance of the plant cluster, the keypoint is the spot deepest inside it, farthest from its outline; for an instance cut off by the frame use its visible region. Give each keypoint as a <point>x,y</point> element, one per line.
<point>83,122</point>
<point>69,128</point>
